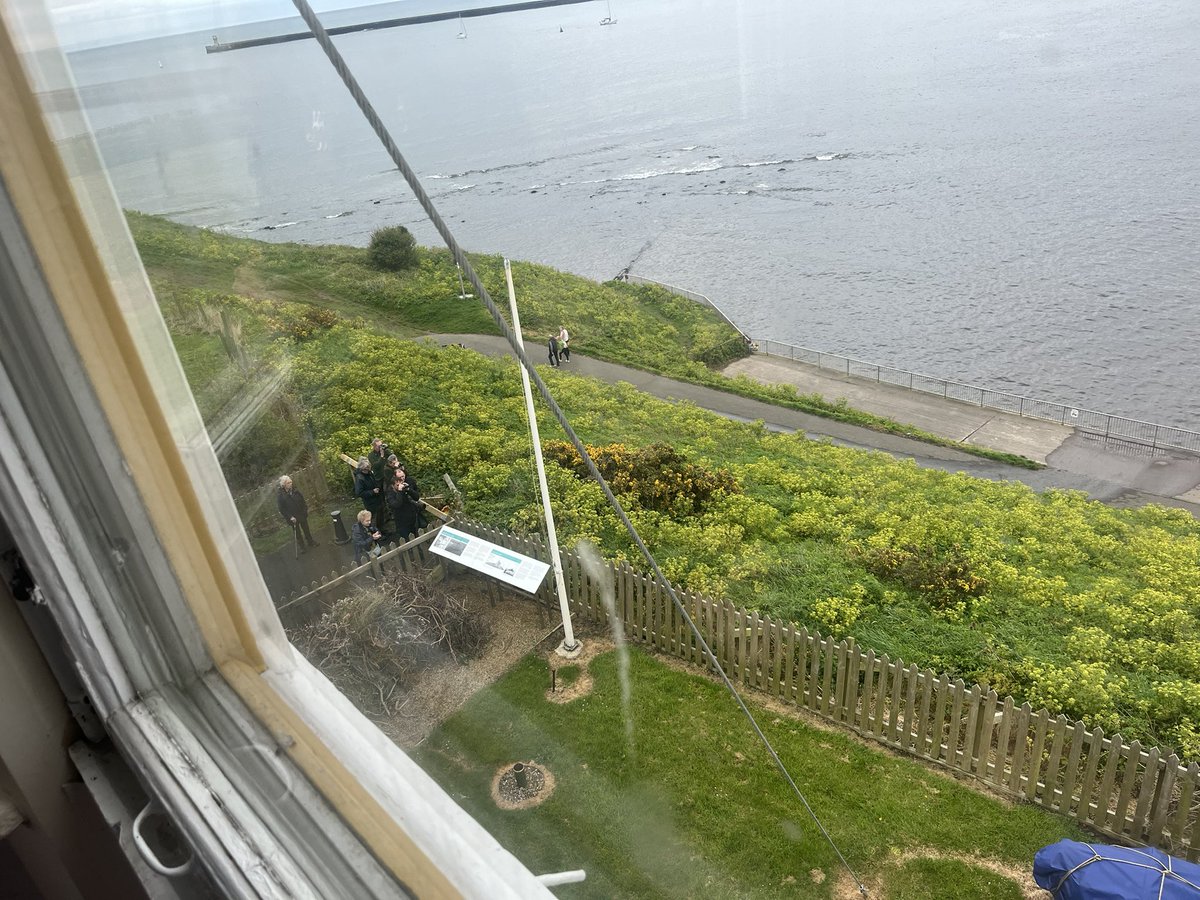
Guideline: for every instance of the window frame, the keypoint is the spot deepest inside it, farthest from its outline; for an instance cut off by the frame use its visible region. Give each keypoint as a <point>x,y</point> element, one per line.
<point>143,559</point>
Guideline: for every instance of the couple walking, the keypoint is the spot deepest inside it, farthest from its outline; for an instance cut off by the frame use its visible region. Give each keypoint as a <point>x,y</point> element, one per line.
<point>560,350</point>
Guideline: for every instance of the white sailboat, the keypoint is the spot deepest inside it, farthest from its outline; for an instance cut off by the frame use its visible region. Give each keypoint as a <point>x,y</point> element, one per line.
<point>462,29</point>
<point>608,20</point>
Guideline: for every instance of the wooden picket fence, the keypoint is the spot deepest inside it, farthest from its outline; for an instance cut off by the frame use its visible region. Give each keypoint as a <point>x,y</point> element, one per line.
<point>1122,790</point>
<point>301,607</point>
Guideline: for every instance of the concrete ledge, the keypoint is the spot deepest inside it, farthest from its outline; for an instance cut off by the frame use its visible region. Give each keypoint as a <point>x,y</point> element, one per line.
<point>951,419</point>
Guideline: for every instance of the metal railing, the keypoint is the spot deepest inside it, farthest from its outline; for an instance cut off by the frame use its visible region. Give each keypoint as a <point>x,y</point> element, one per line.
<point>1109,427</point>
<point>686,294</point>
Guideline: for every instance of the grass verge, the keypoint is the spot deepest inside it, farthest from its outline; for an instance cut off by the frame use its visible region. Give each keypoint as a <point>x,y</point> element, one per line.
<point>690,805</point>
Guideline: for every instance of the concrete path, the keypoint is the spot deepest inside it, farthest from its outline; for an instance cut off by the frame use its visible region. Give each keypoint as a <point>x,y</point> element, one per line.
<point>1032,438</point>
<point>1118,474</point>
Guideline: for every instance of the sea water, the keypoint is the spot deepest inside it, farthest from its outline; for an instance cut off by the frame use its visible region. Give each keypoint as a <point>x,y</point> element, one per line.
<point>1002,193</point>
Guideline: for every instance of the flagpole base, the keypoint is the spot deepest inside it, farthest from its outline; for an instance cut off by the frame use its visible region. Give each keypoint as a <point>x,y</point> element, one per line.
<point>569,652</point>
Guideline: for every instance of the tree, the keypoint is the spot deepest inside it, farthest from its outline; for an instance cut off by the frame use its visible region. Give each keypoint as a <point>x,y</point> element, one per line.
<point>392,249</point>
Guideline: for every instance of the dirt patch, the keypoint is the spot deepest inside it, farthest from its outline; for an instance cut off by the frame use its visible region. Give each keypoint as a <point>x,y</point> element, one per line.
<point>582,685</point>
<point>440,690</point>
<point>846,889</point>
<point>508,794</point>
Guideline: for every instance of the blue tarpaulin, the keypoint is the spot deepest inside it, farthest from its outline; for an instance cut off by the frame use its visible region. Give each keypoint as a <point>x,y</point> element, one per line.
<point>1074,871</point>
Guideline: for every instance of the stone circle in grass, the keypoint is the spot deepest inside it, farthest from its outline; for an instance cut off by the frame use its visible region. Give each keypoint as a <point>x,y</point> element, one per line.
<point>521,785</point>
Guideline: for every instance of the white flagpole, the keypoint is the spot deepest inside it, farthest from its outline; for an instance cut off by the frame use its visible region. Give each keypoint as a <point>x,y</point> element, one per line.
<point>569,647</point>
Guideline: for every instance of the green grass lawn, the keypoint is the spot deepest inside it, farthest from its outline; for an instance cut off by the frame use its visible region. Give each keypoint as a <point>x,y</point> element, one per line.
<point>693,807</point>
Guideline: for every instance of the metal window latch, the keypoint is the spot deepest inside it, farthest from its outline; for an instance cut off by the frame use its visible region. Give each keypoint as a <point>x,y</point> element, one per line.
<point>164,836</point>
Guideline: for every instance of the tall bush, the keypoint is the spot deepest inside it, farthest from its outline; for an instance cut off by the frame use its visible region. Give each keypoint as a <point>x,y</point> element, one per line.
<point>392,249</point>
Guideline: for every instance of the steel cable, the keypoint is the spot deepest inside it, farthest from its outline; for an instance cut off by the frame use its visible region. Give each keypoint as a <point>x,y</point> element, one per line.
<point>381,131</point>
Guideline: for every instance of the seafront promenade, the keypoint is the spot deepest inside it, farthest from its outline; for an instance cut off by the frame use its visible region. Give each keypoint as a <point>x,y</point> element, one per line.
<point>1032,438</point>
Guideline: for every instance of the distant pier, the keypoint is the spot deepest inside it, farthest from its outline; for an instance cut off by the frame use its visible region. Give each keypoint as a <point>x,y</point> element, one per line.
<point>218,47</point>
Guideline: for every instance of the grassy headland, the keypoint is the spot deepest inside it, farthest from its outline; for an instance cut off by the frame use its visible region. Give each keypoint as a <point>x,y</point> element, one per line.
<point>1066,603</point>
<point>641,326</point>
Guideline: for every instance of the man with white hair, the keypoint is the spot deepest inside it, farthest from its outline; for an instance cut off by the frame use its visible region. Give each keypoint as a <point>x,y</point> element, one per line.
<point>294,509</point>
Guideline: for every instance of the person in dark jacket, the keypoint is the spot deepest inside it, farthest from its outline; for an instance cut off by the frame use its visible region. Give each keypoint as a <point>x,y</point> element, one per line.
<point>404,503</point>
<point>368,489</point>
<point>294,509</point>
<point>378,460</point>
<point>389,471</point>
<point>552,346</point>
<point>366,537</point>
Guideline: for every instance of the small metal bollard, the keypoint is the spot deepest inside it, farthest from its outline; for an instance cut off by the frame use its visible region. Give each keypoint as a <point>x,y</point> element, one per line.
<point>339,529</point>
<point>519,774</point>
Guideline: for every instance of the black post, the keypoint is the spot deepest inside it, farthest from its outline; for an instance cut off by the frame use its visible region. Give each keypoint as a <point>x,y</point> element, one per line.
<point>339,529</point>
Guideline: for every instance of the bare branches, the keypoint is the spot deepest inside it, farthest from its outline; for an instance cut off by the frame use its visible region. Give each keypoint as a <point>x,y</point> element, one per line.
<point>371,642</point>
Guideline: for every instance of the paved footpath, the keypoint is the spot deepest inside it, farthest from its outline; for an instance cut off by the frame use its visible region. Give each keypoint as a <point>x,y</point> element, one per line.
<point>1116,473</point>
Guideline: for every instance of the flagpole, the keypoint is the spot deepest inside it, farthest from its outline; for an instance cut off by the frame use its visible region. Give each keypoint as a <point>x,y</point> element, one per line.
<point>570,648</point>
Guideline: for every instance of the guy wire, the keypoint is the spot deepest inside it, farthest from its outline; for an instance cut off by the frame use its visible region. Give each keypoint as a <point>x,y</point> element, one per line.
<point>460,257</point>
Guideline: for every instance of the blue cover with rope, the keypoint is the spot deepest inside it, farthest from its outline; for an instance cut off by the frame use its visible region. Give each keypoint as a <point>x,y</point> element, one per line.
<point>1074,871</point>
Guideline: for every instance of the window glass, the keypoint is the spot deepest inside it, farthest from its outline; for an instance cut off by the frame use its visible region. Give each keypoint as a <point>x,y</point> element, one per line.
<point>370,426</point>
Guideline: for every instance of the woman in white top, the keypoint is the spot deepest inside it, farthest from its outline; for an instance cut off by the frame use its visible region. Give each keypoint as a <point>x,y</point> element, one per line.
<point>564,349</point>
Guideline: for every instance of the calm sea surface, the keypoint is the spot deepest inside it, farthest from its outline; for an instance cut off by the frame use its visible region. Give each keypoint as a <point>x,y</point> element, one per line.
<point>1006,193</point>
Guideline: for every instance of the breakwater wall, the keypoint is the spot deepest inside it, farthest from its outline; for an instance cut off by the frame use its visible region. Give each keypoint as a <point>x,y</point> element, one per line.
<point>1100,424</point>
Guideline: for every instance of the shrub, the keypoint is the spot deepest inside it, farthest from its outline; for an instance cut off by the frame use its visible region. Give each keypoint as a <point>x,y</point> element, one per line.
<point>392,249</point>
<point>658,476</point>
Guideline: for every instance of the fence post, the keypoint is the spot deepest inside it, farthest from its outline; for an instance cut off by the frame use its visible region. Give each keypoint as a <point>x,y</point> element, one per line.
<point>1116,747</point>
<point>1002,755</point>
<point>1166,786</point>
<point>1133,758</point>
<point>1183,813</point>
<point>1035,755</point>
<point>1146,789</point>
<point>1083,812</point>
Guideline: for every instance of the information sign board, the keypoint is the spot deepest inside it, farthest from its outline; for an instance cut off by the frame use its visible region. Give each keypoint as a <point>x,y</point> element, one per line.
<point>483,556</point>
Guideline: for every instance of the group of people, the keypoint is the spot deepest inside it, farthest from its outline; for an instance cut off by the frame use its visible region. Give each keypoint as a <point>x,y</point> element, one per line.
<point>391,502</point>
<point>390,497</point>
<point>560,346</point>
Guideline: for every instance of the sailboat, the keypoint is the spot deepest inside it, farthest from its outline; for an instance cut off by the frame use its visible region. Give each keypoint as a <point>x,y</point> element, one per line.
<point>608,20</point>
<point>462,29</point>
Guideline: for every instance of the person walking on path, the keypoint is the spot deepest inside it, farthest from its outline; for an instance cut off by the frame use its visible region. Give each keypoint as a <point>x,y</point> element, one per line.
<point>553,348</point>
<point>294,509</point>
<point>564,343</point>
<point>366,537</point>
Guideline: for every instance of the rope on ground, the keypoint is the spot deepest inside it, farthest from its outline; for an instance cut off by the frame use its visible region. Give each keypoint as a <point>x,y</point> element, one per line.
<point>460,257</point>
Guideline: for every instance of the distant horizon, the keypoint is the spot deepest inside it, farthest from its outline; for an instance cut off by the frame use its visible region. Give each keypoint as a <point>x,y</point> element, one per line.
<point>93,24</point>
